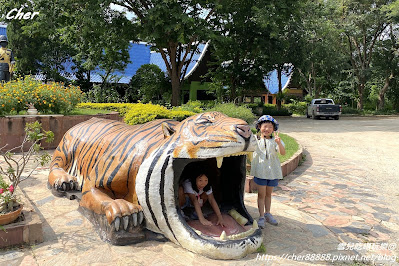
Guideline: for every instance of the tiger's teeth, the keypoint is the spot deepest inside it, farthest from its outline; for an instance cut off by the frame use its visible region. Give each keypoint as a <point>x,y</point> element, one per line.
<point>117,223</point>
<point>125,222</point>
<point>241,235</point>
<point>250,156</point>
<point>255,225</point>
<point>223,236</point>
<point>219,161</point>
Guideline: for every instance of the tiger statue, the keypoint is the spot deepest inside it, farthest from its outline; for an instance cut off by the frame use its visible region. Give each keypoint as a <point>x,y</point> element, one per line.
<point>129,173</point>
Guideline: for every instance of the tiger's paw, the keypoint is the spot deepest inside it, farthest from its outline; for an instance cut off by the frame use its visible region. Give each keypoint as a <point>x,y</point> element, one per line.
<point>66,183</point>
<point>122,214</point>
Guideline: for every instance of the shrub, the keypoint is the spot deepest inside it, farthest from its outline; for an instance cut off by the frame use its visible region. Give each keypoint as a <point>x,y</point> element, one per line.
<point>139,113</point>
<point>192,106</point>
<point>350,110</point>
<point>121,108</point>
<point>298,108</point>
<point>232,110</point>
<point>47,98</point>
<point>271,109</point>
<point>107,94</point>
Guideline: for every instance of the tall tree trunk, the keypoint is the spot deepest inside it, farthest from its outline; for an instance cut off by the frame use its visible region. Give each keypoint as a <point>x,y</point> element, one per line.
<point>360,90</point>
<point>315,90</point>
<point>175,89</point>
<point>233,93</point>
<point>280,88</point>
<point>381,94</point>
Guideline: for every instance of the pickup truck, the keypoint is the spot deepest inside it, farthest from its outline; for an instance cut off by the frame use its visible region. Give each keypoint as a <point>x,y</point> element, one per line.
<point>323,108</point>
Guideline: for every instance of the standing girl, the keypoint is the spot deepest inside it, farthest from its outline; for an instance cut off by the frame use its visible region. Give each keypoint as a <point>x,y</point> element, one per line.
<point>266,167</point>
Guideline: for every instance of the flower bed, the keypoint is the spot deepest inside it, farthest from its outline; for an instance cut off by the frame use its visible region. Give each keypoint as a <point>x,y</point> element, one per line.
<point>53,98</point>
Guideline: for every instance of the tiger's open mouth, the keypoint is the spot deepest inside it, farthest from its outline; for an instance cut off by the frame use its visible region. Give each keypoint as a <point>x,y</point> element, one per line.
<point>227,177</point>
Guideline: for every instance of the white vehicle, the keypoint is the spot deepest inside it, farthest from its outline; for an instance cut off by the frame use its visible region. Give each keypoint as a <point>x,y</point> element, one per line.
<point>323,108</point>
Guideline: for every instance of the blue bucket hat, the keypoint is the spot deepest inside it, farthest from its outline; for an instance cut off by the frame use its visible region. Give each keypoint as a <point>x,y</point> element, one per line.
<point>265,118</point>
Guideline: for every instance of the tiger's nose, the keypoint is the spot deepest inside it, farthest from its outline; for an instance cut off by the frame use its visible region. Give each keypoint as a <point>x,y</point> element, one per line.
<point>244,131</point>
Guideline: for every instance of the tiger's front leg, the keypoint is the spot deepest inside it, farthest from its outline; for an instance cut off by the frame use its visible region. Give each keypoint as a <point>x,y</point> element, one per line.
<point>119,212</point>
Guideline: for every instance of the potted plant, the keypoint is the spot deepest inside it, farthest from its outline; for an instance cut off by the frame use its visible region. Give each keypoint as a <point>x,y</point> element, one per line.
<point>9,206</point>
<point>13,167</point>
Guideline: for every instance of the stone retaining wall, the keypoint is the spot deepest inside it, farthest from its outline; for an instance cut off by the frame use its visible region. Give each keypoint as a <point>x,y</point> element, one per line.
<point>12,127</point>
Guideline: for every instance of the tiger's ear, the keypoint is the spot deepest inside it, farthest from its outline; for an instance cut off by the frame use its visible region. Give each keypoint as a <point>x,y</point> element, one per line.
<point>167,130</point>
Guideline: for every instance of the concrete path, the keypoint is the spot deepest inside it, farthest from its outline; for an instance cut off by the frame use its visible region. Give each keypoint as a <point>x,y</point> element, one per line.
<point>329,210</point>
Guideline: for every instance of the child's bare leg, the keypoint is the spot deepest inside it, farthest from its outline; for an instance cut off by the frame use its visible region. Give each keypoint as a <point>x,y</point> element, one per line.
<point>261,199</point>
<point>268,198</point>
<point>182,197</point>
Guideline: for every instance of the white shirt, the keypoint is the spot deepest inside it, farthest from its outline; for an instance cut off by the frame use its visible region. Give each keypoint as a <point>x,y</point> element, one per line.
<point>266,164</point>
<point>188,188</point>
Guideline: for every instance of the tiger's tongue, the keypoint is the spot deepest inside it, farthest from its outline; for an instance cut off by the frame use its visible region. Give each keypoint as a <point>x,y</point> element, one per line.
<point>231,226</point>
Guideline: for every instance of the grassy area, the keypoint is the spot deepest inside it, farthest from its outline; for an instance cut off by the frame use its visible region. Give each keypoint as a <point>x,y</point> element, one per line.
<point>83,111</point>
<point>291,147</point>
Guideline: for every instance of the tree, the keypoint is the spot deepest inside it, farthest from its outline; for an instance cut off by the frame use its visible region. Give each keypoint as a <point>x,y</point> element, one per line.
<point>88,32</point>
<point>175,28</point>
<point>239,48</point>
<point>362,24</point>
<point>316,53</point>
<point>150,84</point>
<point>252,41</point>
<point>281,19</point>
<point>385,62</point>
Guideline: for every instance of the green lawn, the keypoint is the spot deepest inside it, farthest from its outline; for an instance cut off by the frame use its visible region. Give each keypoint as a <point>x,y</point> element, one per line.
<point>291,147</point>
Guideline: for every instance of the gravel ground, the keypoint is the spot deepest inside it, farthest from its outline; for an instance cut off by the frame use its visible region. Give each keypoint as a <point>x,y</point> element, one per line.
<point>370,142</point>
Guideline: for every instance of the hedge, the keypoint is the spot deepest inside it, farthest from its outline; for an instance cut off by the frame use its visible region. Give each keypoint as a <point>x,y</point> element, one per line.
<point>138,113</point>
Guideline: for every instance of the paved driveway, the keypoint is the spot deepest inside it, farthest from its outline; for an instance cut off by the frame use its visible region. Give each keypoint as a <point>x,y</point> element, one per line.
<point>350,180</point>
<point>370,143</point>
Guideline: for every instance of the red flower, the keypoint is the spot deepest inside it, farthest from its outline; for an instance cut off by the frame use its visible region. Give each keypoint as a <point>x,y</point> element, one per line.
<point>11,189</point>
<point>1,191</point>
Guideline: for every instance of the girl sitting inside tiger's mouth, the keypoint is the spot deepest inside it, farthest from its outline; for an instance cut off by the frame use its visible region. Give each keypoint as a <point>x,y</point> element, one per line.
<point>199,185</point>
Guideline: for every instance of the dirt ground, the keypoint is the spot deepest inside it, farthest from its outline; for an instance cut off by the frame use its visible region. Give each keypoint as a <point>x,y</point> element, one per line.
<point>370,142</point>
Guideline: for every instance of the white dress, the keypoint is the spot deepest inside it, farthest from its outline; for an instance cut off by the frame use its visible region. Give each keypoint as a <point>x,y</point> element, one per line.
<point>266,164</point>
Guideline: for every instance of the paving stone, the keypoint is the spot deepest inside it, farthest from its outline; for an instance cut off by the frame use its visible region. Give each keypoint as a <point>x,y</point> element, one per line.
<point>381,216</point>
<point>44,201</point>
<point>317,230</point>
<point>358,228</point>
<point>298,199</point>
<point>336,220</point>
<point>335,230</point>
<point>340,186</point>
<point>382,229</point>
<point>75,222</point>
<point>383,210</point>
